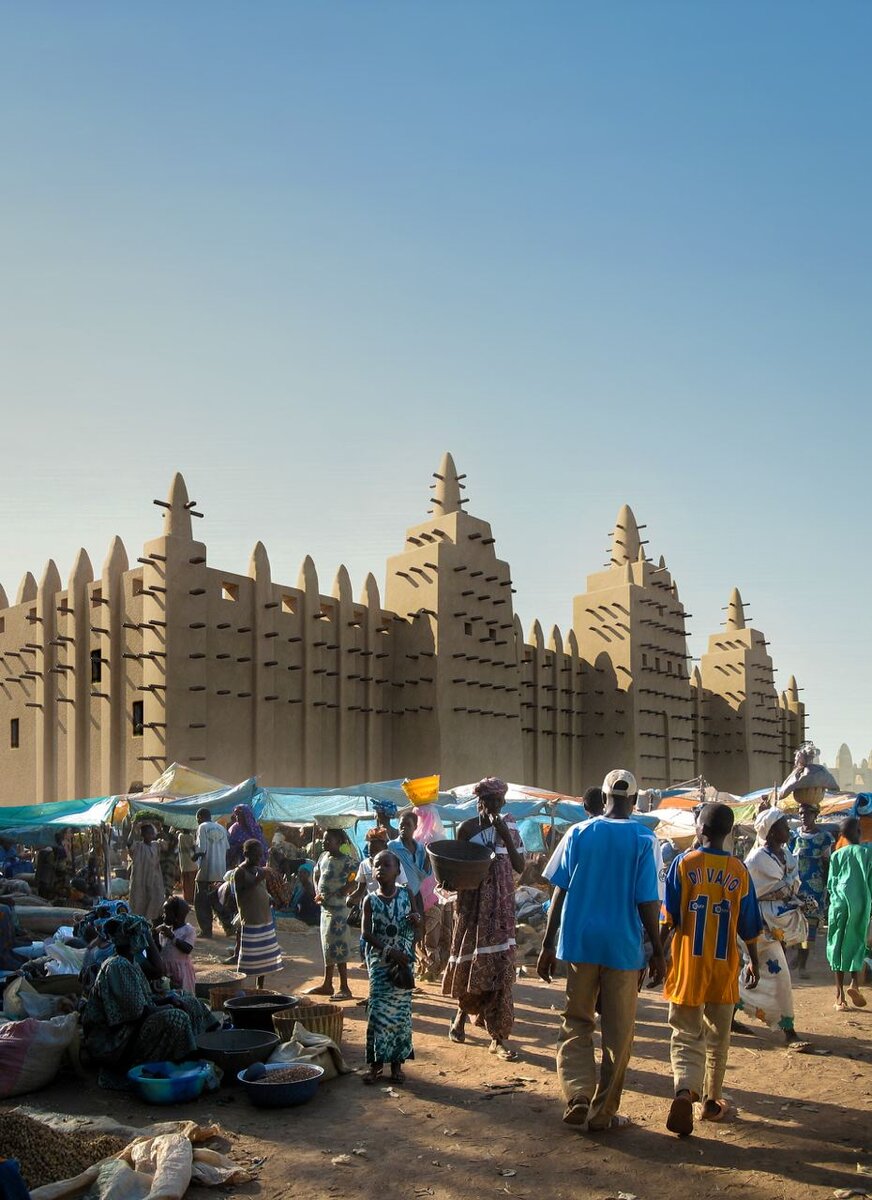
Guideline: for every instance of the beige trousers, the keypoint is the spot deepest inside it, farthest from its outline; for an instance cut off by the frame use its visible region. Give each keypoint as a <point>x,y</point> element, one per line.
<point>576,1066</point>
<point>699,1048</point>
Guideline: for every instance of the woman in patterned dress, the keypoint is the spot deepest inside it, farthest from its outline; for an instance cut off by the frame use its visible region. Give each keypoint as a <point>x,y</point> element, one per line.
<point>334,876</point>
<point>389,925</point>
<point>811,846</point>
<point>259,950</point>
<point>481,966</point>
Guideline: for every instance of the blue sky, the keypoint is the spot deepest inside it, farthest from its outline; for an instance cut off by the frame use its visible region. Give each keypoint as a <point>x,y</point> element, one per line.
<point>603,253</point>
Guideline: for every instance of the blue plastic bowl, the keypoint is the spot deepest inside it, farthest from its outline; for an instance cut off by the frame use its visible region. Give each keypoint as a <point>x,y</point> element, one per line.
<point>169,1083</point>
<point>281,1095</point>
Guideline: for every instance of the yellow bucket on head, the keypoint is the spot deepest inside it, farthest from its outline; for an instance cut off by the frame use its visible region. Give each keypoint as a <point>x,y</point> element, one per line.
<point>422,791</point>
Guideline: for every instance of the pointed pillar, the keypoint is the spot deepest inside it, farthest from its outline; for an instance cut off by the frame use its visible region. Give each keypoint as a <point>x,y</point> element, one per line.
<point>77,622</point>
<point>45,633</point>
<point>114,715</point>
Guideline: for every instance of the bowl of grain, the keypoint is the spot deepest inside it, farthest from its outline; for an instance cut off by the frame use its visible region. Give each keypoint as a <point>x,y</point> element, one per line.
<point>279,1085</point>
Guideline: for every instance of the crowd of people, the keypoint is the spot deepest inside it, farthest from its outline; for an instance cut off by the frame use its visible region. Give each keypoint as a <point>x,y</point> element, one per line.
<point>715,929</point>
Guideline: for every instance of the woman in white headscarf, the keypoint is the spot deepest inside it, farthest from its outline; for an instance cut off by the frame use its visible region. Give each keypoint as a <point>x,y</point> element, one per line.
<point>775,875</point>
<point>773,870</point>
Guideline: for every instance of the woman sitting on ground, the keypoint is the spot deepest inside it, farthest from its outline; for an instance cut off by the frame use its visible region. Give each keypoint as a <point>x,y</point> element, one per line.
<point>123,1023</point>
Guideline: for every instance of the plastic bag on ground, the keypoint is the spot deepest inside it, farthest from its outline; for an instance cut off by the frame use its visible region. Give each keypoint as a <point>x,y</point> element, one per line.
<point>312,1048</point>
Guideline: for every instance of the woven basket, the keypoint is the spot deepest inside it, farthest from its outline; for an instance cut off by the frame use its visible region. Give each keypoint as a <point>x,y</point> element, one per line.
<point>325,1019</point>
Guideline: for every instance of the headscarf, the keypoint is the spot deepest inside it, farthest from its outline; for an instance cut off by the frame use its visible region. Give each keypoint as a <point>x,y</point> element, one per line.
<point>128,930</point>
<point>765,821</point>
<point>385,808</point>
<point>245,827</point>
<point>491,788</point>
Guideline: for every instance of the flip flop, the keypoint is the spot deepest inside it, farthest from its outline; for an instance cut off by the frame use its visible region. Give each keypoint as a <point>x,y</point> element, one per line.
<point>720,1113</point>
<point>841,1006</point>
<point>399,1079</point>
<point>456,1035</point>
<point>618,1121</point>
<point>856,997</point>
<point>342,994</point>
<point>503,1052</point>
<point>369,1080</point>
<point>576,1111</point>
<point>680,1119</point>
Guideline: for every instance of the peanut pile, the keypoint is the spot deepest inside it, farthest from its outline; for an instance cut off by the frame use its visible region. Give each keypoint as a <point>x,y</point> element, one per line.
<point>46,1156</point>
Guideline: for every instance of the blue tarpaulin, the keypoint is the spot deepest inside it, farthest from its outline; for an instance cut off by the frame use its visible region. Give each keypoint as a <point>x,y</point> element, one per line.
<point>21,819</point>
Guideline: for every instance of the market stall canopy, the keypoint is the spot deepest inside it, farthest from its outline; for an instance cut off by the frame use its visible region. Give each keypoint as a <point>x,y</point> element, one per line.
<point>182,813</point>
<point>21,819</point>
<point>179,780</point>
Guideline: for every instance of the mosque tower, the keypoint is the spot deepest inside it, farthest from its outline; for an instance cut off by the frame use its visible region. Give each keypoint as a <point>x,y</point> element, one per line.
<point>630,626</point>
<point>449,576</point>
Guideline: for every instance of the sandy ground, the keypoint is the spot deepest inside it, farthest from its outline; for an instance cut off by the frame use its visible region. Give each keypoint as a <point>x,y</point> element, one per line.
<point>457,1130</point>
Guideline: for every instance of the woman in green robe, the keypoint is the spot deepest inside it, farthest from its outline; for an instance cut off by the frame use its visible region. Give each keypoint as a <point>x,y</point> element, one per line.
<point>850,888</point>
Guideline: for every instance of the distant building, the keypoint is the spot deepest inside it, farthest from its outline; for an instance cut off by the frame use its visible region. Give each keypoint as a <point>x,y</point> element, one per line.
<point>851,776</point>
<point>106,681</point>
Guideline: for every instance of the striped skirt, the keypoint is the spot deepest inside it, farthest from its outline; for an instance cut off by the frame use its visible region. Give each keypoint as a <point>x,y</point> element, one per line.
<point>259,950</point>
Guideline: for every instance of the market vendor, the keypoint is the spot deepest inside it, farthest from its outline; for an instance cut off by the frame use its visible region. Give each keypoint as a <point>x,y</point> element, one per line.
<point>124,1023</point>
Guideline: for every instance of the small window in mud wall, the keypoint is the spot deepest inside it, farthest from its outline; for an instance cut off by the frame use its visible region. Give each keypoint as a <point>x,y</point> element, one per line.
<point>138,586</point>
<point>96,667</point>
<point>2,624</point>
<point>467,628</point>
<point>229,591</point>
<point>14,734</point>
<point>289,605</point>
<point>137,716</point>
<point>96,597</point>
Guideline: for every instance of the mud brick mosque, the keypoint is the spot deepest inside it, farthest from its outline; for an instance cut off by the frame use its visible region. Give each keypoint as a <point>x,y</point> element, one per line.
<point>107,680</point>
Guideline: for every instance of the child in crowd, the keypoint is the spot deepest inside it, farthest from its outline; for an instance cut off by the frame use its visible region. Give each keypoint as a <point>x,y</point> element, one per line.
<point>177,937</point>
<point>389,926</point>
<point>850,884</point>
<point>710,902</point>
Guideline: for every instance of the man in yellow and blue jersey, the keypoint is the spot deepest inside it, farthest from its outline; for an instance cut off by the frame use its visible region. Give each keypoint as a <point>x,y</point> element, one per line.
<point>710,903</point>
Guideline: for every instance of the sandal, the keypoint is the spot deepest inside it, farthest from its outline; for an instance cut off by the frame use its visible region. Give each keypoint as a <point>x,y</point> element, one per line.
<point>373,1077</point>
<point>856,997</point>
<point>721,1110</point>
<point>456,1033</point>
<point>398,1077</point>
<point>343,994</point>
<point>841,1006</point>
<point>576,1111</point>
<point>680,1119</point>
<point>618,1121</point>
<point>506,1053</point>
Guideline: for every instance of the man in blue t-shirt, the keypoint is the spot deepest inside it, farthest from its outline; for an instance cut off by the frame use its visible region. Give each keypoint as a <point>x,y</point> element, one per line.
<point>605,898</point>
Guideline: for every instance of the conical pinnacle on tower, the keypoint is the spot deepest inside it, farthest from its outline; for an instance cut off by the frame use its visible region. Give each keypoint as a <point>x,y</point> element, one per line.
<point>446,489</point>
<point>626,542</point>
<point>178,509</point>
<point>735,611</point>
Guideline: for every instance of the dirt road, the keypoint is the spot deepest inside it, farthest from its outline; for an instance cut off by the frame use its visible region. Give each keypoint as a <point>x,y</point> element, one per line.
<point>469,1125</point>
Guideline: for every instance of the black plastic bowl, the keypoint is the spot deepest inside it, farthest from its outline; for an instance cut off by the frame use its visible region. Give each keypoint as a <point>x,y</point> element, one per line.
<point>460,866</point>
<point>256,1012</point>
<point>235,1049</point>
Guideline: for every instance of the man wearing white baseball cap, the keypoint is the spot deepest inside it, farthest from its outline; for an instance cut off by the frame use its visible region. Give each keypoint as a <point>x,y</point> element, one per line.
<point>606,895</point>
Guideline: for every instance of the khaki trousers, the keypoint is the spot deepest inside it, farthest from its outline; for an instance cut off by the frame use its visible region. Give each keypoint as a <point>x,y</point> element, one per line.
<point>699,1048</point>
<point>576,1066</point>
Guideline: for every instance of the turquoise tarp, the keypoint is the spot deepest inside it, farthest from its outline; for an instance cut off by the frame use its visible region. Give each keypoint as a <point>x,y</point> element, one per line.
<point>182,813</point>
<point>63,814</point>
